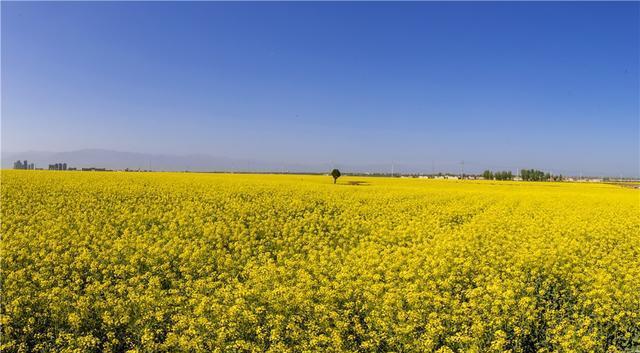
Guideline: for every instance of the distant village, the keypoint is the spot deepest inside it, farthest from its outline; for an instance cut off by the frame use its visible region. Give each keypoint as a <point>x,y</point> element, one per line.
<point>524,175</point>
<point>513,178</point>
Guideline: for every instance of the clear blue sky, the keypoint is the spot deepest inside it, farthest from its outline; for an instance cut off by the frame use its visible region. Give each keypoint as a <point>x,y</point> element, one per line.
<point>546,85</point>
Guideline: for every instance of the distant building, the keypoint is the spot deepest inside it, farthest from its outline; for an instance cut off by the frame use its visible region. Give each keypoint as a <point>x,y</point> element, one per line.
<point>58,166</point>
<point>24,165</point>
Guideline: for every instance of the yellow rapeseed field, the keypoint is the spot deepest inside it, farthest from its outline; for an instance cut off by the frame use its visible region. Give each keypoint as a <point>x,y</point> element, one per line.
<point>184,262</point>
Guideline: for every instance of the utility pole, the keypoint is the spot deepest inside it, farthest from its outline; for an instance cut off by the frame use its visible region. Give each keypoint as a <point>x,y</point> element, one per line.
<point>461,169</point>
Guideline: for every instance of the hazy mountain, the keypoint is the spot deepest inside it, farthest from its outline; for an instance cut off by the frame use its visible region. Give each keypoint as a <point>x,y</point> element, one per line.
<point>194,162</point>
<point>121,160</point>
<point>101,158</point>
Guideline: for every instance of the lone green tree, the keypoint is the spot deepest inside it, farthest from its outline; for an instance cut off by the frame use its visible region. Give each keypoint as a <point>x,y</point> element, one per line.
<point>335,174</point>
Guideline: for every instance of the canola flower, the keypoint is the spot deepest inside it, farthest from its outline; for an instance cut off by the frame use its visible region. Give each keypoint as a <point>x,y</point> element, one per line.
<point>183,262</point>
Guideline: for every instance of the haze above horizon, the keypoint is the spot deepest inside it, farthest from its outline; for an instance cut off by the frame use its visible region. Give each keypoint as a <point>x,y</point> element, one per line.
<point>540,85</point>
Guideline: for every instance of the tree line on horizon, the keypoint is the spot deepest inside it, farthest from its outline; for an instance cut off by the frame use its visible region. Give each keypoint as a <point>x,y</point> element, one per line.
<point>525,174</point>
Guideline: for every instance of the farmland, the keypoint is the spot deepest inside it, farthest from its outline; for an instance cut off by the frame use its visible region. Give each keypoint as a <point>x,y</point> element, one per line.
<point>182,262</point>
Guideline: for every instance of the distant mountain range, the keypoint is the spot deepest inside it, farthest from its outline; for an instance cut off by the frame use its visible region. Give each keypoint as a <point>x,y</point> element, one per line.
<point>100,158</point>
<point>120,160</point>
<point>117,160</point>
